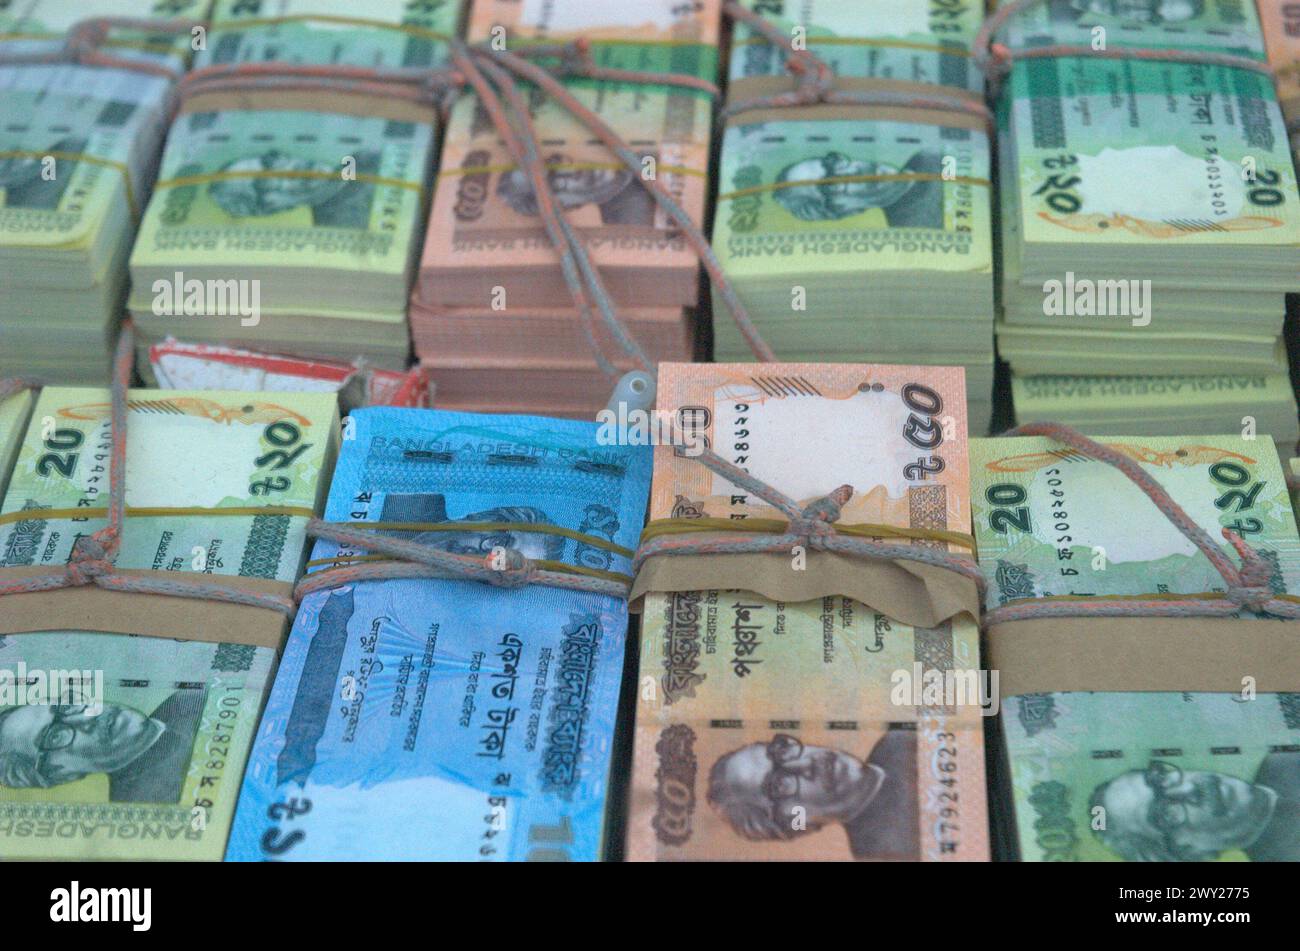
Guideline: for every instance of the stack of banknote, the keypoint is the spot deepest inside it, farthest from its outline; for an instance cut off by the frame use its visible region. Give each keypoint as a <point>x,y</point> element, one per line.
<point>1260,404</point>
<point>773,730</point>
<point>1138,776</point>
<point>147,750</point>
<point>861,233</point>
<point>14,411</point>
<point>78,150</point>
<point>290,221</point>
<point>492,315</point>
<point>453,719</point>
<point>1143,201</point>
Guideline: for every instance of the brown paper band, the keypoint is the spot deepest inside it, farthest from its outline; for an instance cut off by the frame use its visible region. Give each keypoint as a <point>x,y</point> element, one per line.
<point>907,591</point>
<point>344,103</point>
<point>1212,655</point>
<point>92,608</point>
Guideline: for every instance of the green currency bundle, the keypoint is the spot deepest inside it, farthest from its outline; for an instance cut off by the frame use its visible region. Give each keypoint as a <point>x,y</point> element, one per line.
<point>1150,222</point>
<point>78,151</point>
<point>288,220</point>
<point>861,233</point>
<point>1154,773</point>
<point>134,746</point>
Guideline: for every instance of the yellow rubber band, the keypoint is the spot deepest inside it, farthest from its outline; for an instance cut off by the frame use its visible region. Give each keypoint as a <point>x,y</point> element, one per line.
<point>838,179</point>
<point>410,29</point>
<point>287,173</point>
<point>865,41</point>
<point>534,528</point>
<point>141,511</point>
<point>89,160</point>
<point>559,566</point>
<point>567,167</point>
<point>774,526</point>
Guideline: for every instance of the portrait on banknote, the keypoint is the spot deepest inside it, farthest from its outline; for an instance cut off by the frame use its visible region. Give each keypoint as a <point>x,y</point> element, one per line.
<point>428,508</point>
<point>620,199</point>
<point>145,755</point>
<point>784,788</point>
<point>1164,813</point>
<point>25,184</point>
<point>273,182</point>
<point>834,186</point>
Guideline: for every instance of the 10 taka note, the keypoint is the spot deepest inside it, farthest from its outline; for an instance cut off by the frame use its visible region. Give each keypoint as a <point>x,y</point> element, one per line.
<point>453,719</point>
<point>1140,776</point>
<point>767,730</point>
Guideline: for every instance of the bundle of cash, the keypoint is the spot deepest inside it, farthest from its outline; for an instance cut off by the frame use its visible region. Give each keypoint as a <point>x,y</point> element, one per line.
<point>78,150</point>
<point>1139,776</point>
<point>772,730</point>
<point>135,747</point>
<point>1142,200</point>
<point>14,410</point>
<point>290,220</point>
<point>490,286</point>
<point>453,719</point>
<point>854,232</point>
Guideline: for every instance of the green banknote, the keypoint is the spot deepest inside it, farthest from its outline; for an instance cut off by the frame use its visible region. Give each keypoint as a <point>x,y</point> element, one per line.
<point>1051,521</point>
<point>120,746</point>
<point>1132,156</point>
<point>1143,776</point>
<point>75,152</point>
<point>1227,26</point>
<point>379,33</point>
<point>123,747</point>
<point>191,453</point>
<point>1155,777</point>
<point>925,41</point>
<point>824,200</point>
<point>287,197</point>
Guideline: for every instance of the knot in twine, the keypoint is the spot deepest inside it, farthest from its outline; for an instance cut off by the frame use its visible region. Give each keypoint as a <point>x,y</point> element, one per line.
<point>815,80</point>
<point>1252,590</point>
<point>1245,588</point>
<point>812,526</point>
<point>92,556</point>
<point>517,571</point>
<point>816,522</point>
<point>996,59</point>
<point>403,560</point>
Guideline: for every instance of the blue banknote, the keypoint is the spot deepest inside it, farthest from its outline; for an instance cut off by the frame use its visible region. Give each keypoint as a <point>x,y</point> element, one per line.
<point>442,719</point>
